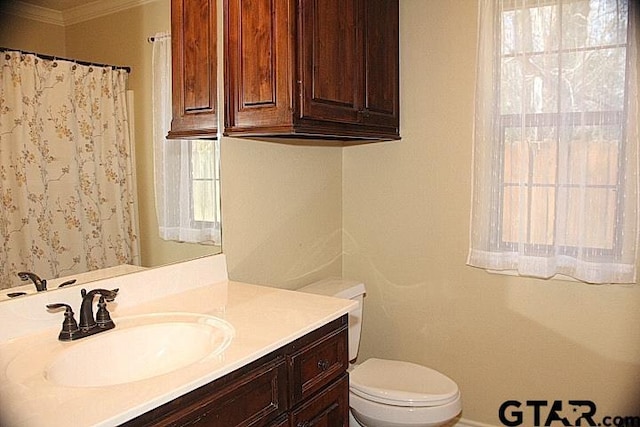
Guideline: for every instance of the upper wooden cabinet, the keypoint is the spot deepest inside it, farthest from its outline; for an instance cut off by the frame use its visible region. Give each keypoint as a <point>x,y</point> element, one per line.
<point>194,69</point>
<point>325,69</point>
<point>319,68</point>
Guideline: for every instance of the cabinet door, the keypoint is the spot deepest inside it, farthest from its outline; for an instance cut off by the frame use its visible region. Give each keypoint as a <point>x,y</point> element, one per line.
<point>329,60</point>
<point>329,408</point>
<point>381,64</point>
<point>258,64</point>
<point>194,68</point>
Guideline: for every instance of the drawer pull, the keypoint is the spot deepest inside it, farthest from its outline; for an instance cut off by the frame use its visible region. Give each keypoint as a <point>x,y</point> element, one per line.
<point>303,424</point>
<point>323,364</point>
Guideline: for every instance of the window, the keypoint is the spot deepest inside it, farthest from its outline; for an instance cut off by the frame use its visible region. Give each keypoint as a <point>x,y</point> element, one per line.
<point>205,182</point>
<point>555,161</point>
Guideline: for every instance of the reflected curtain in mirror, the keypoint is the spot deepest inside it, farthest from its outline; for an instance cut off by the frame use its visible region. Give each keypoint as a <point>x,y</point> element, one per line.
<point>186,172</point>
<point>555,187</point>
<point>66,168</point>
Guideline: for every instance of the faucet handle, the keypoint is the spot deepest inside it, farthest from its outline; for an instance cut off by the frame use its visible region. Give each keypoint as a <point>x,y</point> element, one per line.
<point>87,321</point>
<point>103,318</point>
<point>109,295</point>
<point>67,283</point>
<point>69,324</point>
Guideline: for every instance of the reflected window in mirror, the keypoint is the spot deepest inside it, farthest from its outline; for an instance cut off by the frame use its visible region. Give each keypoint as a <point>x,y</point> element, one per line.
<point>205,181</point>
<point>187,179</point>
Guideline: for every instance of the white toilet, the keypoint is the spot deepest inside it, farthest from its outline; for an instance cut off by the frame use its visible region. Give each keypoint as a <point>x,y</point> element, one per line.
<point>389,393</point>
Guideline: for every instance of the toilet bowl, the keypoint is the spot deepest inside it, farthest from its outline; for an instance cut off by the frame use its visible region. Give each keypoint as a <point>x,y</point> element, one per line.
<point>390,393</point>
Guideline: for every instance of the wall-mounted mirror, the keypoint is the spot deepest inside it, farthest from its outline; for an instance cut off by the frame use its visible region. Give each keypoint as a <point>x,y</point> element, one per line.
<point>114,32</point>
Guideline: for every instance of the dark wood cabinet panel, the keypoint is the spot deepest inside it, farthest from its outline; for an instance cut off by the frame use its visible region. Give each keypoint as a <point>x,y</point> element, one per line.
<point>303,381</point>
<point>330,60</point>
<point>194,68</point>
<point>254,395</point>
<point>257,64</point>
<point>382,57</point>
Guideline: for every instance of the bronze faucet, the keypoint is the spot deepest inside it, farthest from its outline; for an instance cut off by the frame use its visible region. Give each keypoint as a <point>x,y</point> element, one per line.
<point>88,325</point>
<point>41,284</point>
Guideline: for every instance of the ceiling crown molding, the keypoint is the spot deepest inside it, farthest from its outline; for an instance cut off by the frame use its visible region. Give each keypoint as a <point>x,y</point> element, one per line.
<point>99,8</point>
<point>31,11</point>
<point>73,15</point>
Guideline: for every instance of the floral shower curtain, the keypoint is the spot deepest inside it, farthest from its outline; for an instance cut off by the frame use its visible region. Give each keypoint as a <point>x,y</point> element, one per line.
<point>66,168</point>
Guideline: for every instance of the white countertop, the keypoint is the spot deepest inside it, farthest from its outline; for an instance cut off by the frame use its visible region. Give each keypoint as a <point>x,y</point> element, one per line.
<point>264,319</point>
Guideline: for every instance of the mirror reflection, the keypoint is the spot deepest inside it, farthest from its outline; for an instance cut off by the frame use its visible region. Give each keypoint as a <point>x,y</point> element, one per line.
<point>88,31</point>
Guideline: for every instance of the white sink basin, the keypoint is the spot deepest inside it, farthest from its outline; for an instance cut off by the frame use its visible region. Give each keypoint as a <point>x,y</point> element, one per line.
<point>138,348</point>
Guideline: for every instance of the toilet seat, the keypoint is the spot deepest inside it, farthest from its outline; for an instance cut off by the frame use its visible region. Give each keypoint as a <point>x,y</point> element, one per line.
<point>398,383</point>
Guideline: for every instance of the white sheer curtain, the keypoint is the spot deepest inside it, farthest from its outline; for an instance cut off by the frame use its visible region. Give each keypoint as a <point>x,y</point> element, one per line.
<point>186,175</point>
<point>555,178</point>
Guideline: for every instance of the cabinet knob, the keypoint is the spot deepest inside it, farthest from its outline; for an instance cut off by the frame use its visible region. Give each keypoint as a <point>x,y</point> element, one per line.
<point>323,364</point>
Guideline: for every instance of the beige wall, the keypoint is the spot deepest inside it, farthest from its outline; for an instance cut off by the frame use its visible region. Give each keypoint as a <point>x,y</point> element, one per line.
<point>406,215</point>
<point>281,212</point>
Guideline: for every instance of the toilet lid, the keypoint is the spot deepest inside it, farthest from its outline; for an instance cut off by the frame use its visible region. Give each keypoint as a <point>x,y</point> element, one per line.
<point>399,383</point>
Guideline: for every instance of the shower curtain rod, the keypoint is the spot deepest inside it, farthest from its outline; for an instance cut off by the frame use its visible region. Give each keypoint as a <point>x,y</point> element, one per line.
<point>59,58</point>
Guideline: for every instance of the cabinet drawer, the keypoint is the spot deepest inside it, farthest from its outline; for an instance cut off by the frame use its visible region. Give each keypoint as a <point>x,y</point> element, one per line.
<point>330,407</point>
<point>317,364</point>
<point>254,398</point>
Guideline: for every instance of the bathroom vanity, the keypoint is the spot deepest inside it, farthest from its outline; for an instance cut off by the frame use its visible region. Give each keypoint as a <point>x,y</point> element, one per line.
<point>301,384</point>
<point>283,363</point>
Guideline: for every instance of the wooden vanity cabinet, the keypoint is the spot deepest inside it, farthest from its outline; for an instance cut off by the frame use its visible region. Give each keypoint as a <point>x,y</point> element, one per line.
<point>301,384</point>
<point>317,68</point>
<point>194,69</point>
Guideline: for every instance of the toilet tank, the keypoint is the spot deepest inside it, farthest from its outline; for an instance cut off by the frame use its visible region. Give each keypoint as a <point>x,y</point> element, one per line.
<point>347,289</point>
